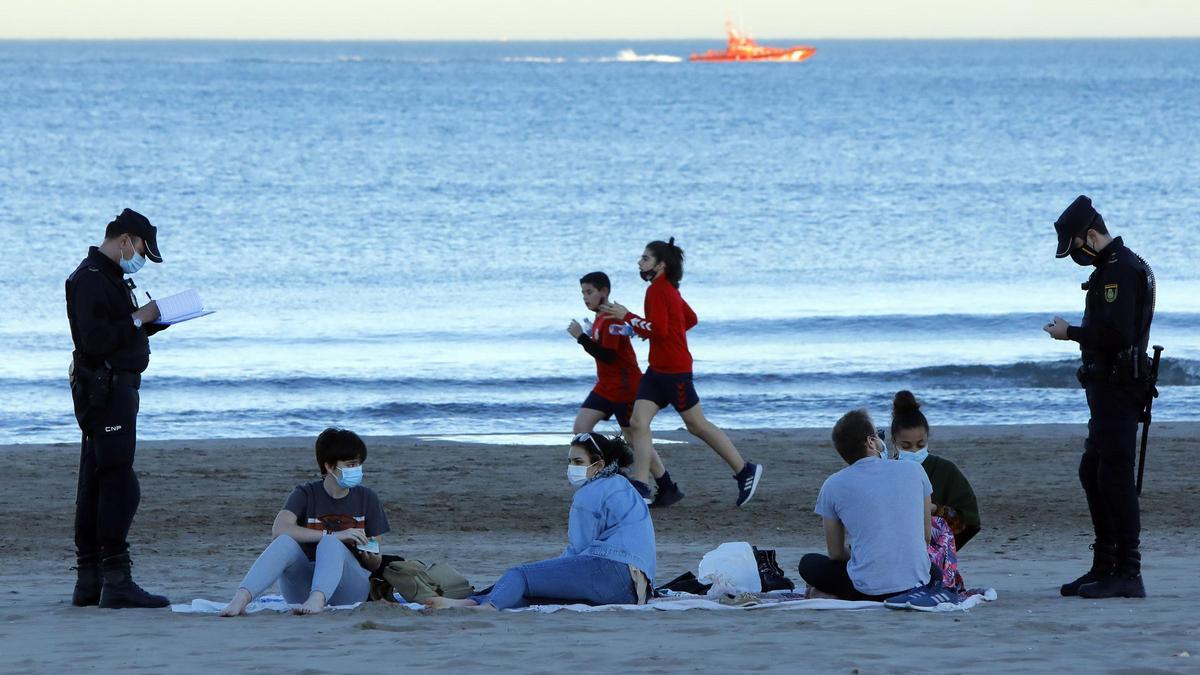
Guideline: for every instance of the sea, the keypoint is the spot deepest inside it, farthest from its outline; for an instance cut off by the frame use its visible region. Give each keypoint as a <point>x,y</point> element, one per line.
<point>392,233</point>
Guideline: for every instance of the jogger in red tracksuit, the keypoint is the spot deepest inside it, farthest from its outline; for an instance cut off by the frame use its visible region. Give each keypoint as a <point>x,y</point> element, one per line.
<point>668,380</point>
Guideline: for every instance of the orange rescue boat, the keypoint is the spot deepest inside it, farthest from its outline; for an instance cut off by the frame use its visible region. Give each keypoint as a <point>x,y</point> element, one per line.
<point>742,48</point>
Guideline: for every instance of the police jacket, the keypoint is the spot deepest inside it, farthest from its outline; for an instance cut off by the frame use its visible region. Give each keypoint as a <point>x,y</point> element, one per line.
<point>99,305</point>
<point>1119,305</point>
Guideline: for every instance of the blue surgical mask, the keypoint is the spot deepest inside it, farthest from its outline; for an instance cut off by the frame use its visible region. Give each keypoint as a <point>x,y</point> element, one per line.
<point>918,456</point>
<point>351,476</point>
<point>133,264</point>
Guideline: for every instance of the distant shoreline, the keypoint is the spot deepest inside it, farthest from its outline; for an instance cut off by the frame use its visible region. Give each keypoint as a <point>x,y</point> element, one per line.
<point>612,40</point>
<point>672,436</point>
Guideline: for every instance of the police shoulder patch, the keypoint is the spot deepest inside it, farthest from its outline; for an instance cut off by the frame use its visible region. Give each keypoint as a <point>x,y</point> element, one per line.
<point>1110,292</point>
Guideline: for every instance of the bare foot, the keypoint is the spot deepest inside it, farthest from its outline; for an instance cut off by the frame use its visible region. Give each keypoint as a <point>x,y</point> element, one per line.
<point>237,606</point>
<point>438,602</point>
<point>314,605</point>
<point>814,593</point>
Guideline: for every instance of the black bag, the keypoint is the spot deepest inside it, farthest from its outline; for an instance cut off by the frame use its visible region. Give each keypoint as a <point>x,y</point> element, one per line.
<point>684,583</point>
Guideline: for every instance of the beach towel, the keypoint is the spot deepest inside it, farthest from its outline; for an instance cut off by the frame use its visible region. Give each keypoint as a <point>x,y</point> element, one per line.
<point>273,603</point>
<point>944,555</point>
<point>676,602</point>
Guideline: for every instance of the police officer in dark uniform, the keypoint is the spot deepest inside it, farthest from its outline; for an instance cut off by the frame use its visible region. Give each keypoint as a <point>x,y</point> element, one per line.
<point>1112,337</point>
<point>111,350</point>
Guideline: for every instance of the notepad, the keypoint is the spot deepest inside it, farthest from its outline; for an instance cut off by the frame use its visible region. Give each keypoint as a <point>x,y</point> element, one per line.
<point>181,307</point>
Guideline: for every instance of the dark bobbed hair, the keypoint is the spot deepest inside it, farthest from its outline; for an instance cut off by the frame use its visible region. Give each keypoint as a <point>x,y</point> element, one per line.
<point>850,435</point>
<point>906,413</point>
<point>670,254</point>
<point>1098,225</point>
<point>597,279</point>
<point>339,445</point>
<point>607,449</point>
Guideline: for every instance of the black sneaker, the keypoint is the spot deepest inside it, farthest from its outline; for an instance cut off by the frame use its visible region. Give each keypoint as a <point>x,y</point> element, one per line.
<point>643,490</point>
<point>667,496</point>
<point>747,480</point>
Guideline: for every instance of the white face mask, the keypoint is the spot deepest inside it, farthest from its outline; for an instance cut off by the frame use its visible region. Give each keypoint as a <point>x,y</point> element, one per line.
<point>577,475</point>
<point>133,264</point>
<point>918,456</point>
<point>352,476</point>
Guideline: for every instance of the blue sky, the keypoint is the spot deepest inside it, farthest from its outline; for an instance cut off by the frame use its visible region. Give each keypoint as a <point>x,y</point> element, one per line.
<point>593,19</point>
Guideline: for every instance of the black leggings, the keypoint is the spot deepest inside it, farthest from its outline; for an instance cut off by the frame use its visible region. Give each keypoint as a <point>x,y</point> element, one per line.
<point>829,576</point>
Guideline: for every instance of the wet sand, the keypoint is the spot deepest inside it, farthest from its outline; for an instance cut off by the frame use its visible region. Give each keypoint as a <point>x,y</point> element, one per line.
<point>207,508</point>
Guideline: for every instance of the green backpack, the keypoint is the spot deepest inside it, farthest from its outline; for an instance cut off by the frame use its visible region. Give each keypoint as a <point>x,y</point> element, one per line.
<point>416,581</point>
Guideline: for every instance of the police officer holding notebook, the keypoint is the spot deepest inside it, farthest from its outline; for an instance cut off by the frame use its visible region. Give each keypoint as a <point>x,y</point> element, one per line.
<point>1112,337</point>
<point>111,350</point>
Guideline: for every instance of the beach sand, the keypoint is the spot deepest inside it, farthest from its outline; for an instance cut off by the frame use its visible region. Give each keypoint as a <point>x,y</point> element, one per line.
<point>207,508</point>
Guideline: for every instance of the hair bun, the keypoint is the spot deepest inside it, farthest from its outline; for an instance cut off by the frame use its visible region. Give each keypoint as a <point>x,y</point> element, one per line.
<point>905,402</point>
<point>671,241</point>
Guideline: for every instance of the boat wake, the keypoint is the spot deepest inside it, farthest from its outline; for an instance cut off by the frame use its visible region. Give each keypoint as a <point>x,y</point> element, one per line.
<point>623,56</point>
<point>630,56</point>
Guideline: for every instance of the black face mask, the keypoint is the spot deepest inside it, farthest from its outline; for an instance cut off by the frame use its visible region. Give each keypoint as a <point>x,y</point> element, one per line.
<point>1085,255</point>
<point>648,275</point>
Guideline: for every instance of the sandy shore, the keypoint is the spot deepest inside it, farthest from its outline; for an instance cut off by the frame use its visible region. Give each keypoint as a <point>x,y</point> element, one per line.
<point>207,507</point>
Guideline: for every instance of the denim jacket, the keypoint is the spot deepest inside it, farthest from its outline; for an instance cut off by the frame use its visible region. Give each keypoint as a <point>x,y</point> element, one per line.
<point>609,520</point>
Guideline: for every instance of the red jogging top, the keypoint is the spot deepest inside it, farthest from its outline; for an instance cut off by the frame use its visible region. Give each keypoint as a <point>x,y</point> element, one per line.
<point>616,381</point>
<point>668,319</point>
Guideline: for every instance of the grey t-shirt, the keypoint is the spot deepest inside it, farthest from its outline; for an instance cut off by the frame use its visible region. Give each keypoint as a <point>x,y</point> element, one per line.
<point>316,510</point>
<point>881,503</point>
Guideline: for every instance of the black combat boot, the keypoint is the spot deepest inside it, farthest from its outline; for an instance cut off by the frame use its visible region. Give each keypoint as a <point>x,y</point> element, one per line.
<point>769,572</point>
<point>119,589</point>
<point>1104,562</point>
<point>1125,582</point>
<point>87,584</point>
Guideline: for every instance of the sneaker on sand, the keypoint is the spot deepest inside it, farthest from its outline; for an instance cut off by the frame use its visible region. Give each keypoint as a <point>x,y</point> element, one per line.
<point>925,599</point>
<point>643,490</point>
<point>667,496</point>
<point>747,480</point>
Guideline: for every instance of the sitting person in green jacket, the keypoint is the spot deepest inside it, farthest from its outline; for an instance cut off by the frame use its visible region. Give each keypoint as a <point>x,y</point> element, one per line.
<point>953,498</point>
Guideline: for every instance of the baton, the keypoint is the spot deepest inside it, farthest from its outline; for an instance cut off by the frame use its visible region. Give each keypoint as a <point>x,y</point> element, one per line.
<point>1146,413</point>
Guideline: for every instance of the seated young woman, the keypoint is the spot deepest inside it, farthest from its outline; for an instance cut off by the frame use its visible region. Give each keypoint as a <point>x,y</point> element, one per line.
<point>882,507</point>
<point>610,555</point>
<point>315,555</point>
<point>953,498</point>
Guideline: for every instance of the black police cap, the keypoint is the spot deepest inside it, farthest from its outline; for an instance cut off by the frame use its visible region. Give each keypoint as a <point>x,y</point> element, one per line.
<point>1075,219</point>
<point>132,222</point>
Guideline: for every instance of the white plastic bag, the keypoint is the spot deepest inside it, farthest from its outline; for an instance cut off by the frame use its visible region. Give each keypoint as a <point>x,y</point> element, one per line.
<point>730,568</point>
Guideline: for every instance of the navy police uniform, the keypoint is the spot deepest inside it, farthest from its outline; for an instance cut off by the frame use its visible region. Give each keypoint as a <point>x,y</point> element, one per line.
<point>1113,338</point>
<point>111,351</point>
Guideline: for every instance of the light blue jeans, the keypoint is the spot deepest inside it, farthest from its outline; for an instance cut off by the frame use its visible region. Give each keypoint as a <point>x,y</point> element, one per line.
<point>577,578</point>
<point>336,573</point>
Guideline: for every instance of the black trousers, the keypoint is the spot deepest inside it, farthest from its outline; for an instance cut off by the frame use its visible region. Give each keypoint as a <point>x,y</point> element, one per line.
<point>108,493</point>
<point>1106,469</point>
<point>830,576</point>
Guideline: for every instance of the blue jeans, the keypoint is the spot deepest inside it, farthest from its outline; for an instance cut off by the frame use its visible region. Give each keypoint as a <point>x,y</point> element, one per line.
<point>577,578</point>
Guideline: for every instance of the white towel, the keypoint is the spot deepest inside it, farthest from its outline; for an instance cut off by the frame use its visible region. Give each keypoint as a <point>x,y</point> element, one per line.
<point>274,603</point>
<point>677,603</point>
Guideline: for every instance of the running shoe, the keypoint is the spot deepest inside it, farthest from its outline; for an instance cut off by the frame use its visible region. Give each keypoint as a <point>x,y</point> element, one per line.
<point>667,496</point>
<point>643,490</point>
<point>747,480</point>
<point>929,598</point>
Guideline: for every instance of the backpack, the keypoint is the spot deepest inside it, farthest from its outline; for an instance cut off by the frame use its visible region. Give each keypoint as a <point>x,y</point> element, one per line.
<point>417,581</point>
